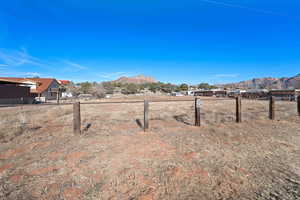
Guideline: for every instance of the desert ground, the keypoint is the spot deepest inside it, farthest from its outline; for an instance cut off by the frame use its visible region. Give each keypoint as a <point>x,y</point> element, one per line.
<point>113,158</point>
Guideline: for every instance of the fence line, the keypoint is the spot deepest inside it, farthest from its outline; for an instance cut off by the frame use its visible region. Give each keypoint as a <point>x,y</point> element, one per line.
<point>197,101</point>
<point>112,102</point>
<point>197,111</point>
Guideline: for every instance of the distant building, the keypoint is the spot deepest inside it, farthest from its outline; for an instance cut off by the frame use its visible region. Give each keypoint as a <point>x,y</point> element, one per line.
<point>237,92</point>
<point>220,93</point>
<point>42,89</point>
<point>256,94</point>
<point>190,93</point>
<point>64,82</point>
<point>206,93</point>
<point>64,92</point>
<point>14,92</point>
<point>66,95</point>
<point>210,93</point>
<point>288,94</point>
<point>176,94</point>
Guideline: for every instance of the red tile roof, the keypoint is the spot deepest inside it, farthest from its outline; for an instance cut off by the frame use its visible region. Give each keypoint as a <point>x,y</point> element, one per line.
<point>42,83</point>
<point>64,82</point>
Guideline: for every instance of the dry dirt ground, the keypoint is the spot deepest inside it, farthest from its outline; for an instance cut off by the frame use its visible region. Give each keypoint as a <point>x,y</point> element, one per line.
<point>40,157</point>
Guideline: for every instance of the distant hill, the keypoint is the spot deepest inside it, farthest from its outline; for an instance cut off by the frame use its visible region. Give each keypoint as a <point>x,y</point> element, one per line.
<point>268,83</point>
<point>141,79</point>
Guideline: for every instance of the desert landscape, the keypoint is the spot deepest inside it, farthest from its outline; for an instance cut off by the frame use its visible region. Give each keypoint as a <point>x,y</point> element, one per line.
<point>113,158</point>
<point>149,100</point>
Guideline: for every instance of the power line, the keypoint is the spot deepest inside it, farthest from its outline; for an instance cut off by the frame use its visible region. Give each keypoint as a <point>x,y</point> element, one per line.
<point>249,8</point>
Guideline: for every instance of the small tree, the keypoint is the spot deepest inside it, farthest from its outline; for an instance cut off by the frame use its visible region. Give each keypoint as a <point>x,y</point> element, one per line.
<point>109,87</point>
<point>73,88</point>
<point>86,87</point>
<point>130,89</point>
<point>203,86</point>
<point>98,91</point>
<point>184,87</point>
<point>168,88</point>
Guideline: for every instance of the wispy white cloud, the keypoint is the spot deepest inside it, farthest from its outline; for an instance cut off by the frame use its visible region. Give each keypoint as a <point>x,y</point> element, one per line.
<point>32,74</point>
<point>20,63</point>
<point>263,11</point>
<point>226,75</point>
<point>8,72</point>
<point>74,66</point>
<point>115,75</point>
<point>15,58</point>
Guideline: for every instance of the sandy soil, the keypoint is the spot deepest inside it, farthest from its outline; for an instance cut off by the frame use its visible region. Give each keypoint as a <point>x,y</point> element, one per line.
<point>40,157</point>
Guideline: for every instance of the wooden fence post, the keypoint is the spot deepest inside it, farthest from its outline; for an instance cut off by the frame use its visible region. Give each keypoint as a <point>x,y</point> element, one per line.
<point>57,97</point>
<point>197,112</point>
<point>146,115</point>
<point>298,105</point>
<point>272,108</point>
<point>76,118</point>
<point>238,109</point>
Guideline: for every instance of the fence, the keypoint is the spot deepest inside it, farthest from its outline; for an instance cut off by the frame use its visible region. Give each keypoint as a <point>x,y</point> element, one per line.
<point>198,103</point>
<point>198,110</point>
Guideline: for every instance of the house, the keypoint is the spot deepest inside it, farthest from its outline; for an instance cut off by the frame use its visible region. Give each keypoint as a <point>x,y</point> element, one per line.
<point>14,92</point>
<point>43,89</point>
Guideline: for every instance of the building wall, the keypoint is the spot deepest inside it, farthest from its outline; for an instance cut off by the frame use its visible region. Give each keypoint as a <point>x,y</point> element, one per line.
<point>13,91</point>
<point>48,94</point>
<point>13,94</point>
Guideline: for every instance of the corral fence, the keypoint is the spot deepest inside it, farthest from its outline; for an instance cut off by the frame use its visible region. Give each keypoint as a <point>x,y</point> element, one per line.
<point>198,103</point>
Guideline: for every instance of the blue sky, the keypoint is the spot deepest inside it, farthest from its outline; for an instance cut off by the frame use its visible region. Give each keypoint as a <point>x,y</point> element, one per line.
<point>192,41</point>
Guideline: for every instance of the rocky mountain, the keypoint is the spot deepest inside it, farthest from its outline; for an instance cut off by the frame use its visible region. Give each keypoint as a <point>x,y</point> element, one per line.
<point>140,79</point>
<point>268,83</point>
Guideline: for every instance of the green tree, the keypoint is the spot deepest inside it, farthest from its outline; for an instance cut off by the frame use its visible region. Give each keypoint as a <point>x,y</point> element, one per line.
<point>204,86</point>
<point>177,89</point>
<point>86,87</point>
<point>168,88</point>
<point>109,87</point>
<point>184,87</point>
<point>98,91</point>
<point>73,88</point>
<point>130,89</point>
